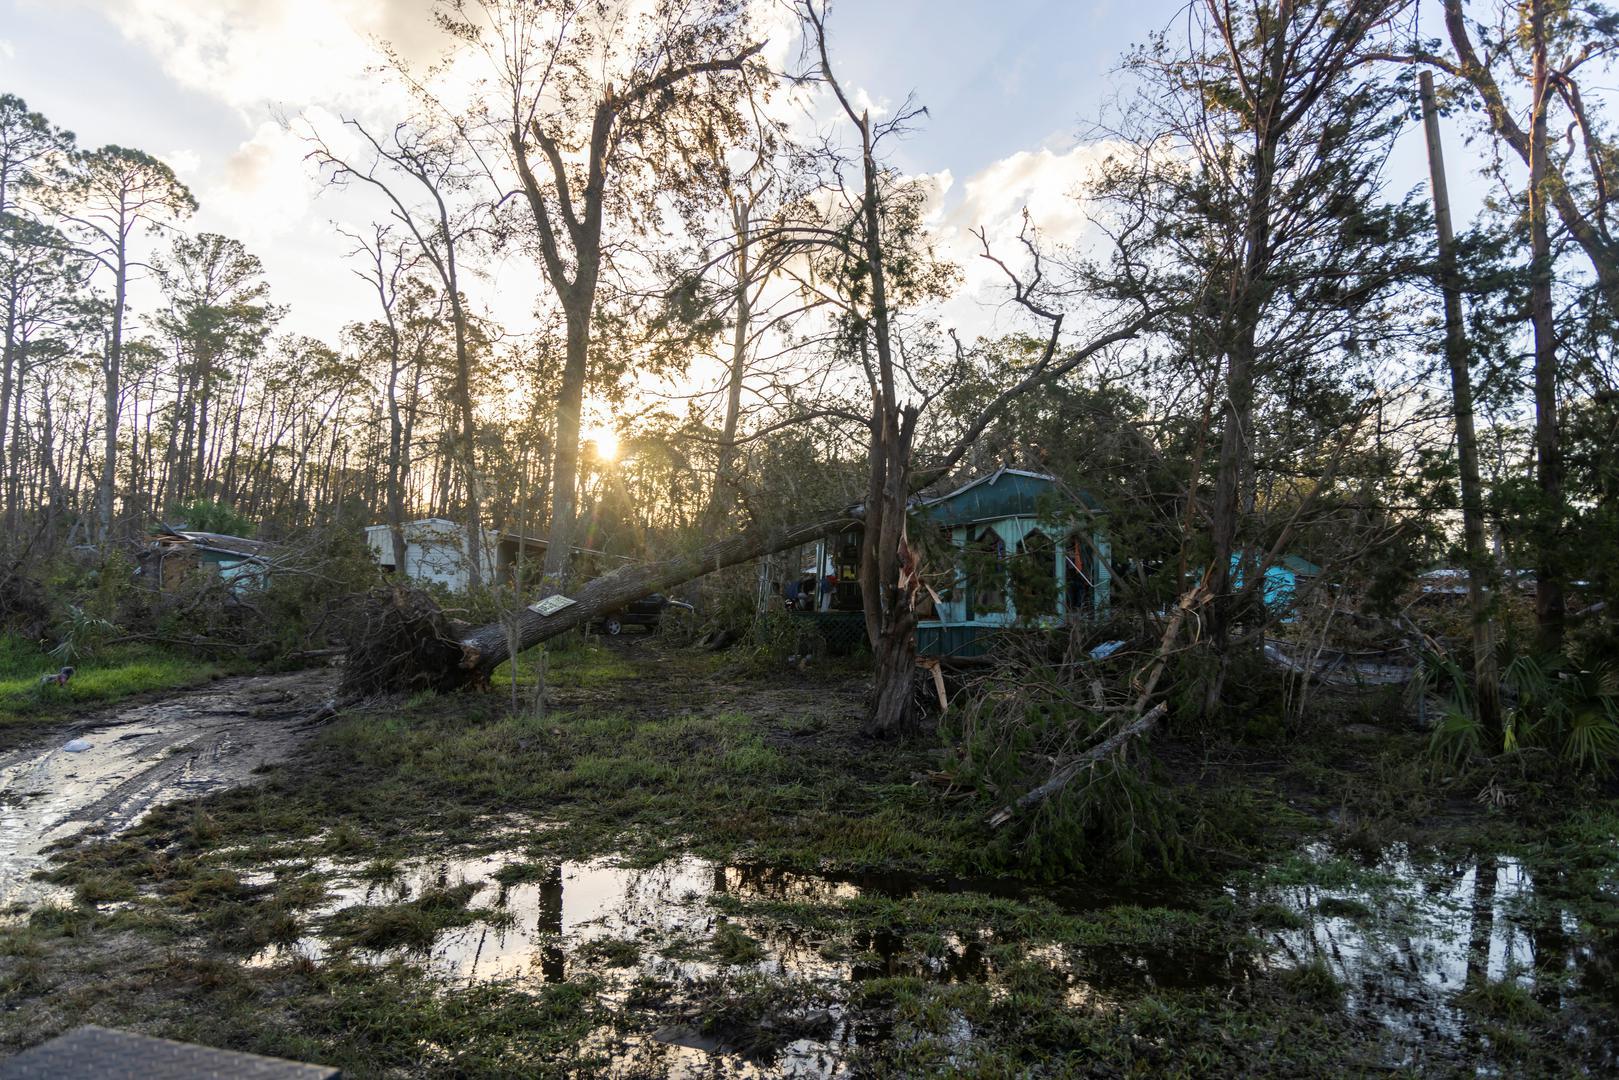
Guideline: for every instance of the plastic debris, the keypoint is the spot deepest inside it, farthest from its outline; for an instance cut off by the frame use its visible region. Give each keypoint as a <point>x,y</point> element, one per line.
<point>1106,649</point>
<point>76,746</point>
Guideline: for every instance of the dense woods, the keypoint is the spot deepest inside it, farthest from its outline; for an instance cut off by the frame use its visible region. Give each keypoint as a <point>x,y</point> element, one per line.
<point>1252,357</point>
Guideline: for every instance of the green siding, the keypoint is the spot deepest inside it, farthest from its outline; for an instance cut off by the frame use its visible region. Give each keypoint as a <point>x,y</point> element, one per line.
<point>935,639</point>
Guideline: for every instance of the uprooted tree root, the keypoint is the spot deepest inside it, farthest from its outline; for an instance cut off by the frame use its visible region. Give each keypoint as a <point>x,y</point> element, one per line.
<point>401,642</point>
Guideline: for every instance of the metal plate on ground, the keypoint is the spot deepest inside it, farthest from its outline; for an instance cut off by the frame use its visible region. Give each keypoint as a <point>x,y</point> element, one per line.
<point>98,1053</point>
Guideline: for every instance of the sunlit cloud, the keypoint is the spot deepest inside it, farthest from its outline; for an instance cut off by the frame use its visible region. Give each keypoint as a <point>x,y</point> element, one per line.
<point>266,187</point>
<point>185,163</point>
<point>1048,183</point>
<point>251,52</point>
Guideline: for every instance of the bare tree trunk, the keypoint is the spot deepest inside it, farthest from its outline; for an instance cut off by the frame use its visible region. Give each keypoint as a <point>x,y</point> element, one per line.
<point>228,490</point>
<point>1549,599</point>
<point>112,369</point>
<point>467,443</point>
<point>1487,682</point>
<point>1236,449</point>
<point>204,399</point>
<point>565,452</point>
<point>8,358</point>
<point>719,498</point>
<point>18,449</point>
<point>396,438</point>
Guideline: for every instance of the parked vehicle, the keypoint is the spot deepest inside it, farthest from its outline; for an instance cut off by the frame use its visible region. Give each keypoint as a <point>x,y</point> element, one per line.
<point>647,611</point>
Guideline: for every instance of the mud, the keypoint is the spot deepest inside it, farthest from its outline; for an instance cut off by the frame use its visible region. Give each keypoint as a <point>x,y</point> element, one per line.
<point>139,757</point>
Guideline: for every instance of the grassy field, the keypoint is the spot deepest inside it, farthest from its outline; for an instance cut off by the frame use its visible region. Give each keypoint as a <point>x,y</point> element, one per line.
<point>113,673</point>
<point>853,901</point>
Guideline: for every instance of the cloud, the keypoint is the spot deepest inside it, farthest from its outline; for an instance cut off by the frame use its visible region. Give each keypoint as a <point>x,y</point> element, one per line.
<point>265,186</point>
<point>184,162</point>
<point>7,49</point>
<point>1045,182</point>
<point>1048,183</point>
<point>250,52</point>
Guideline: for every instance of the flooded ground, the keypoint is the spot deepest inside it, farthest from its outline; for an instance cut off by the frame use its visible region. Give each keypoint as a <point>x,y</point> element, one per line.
<point>134,758</point>
<point>619,888</point>
<point>1403,938</point>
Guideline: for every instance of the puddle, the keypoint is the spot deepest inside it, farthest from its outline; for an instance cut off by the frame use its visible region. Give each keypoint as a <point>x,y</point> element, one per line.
<point>181,747</point>
<point>632,928</point>
<point>1405,936</point>
<point>544,922</point>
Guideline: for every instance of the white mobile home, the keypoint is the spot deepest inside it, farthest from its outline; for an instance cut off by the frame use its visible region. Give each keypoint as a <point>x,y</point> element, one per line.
<point>436,550</point>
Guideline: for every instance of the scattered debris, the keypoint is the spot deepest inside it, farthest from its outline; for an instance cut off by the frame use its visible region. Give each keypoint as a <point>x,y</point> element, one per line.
<point>1341,667</point>
<point>1106,649</point>
<point>58,678</point>
<point>174,555</point>
<point>76,746</point>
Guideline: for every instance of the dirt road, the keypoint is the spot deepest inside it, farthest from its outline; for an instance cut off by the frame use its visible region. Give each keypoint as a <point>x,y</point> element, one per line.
<point>140,756</point>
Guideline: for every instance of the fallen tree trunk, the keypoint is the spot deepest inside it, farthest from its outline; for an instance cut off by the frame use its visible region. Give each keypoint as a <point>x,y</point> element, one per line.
<point>1061,778</point>
<point>442,659</point>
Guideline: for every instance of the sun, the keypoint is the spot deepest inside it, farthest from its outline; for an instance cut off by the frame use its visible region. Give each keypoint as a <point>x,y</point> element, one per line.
<point>605,440</point>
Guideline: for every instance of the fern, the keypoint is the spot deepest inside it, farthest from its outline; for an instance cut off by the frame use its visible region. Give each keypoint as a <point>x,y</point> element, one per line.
<point>1458,736</point>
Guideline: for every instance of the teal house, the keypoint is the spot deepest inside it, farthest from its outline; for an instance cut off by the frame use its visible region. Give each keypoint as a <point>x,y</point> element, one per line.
<point>1011,550</point>
<point>1026,556</point>
<point>1283,580</point>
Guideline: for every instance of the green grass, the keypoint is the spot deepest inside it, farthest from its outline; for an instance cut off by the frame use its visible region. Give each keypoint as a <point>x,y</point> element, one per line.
<point>573,664</point>
<point>114,673</point>
<point>645,756</point>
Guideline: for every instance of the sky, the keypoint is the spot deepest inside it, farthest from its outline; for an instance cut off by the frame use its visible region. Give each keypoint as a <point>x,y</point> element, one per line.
<point>205,85</point>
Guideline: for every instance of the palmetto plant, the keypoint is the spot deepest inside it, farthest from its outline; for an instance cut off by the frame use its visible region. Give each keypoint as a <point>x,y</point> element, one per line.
<point>1549,704</point>
<point>84,633</point>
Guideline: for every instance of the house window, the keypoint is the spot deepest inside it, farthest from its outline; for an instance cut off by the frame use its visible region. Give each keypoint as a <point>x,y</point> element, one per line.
<point>985,560</point>
<point>1081,557</point>
<point>1034,577</point>
<point>846,595</point>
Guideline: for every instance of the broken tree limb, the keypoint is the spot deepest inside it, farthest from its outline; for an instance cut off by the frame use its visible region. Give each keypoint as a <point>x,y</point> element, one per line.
<point>1189,602</point>
<point>1061,778</point>
<point>440,659</point>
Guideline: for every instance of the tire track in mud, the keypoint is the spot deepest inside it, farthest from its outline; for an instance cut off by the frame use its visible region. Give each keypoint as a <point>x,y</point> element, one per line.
<point>140,756</point>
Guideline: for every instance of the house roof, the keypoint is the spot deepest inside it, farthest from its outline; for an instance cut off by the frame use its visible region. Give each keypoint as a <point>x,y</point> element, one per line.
<point>219,542</point>
<point>1300,565</point>
<point>1003,493</point>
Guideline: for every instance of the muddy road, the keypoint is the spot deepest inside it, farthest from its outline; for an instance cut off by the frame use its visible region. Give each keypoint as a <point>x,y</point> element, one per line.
<point>141,756</point>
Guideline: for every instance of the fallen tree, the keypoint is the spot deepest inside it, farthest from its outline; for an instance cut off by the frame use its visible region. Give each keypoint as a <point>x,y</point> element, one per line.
<point>1061,778</point>
<point>402,642</point>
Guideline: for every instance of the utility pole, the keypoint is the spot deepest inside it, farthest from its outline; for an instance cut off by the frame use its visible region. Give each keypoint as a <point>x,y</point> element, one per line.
<point>1461,390</point>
